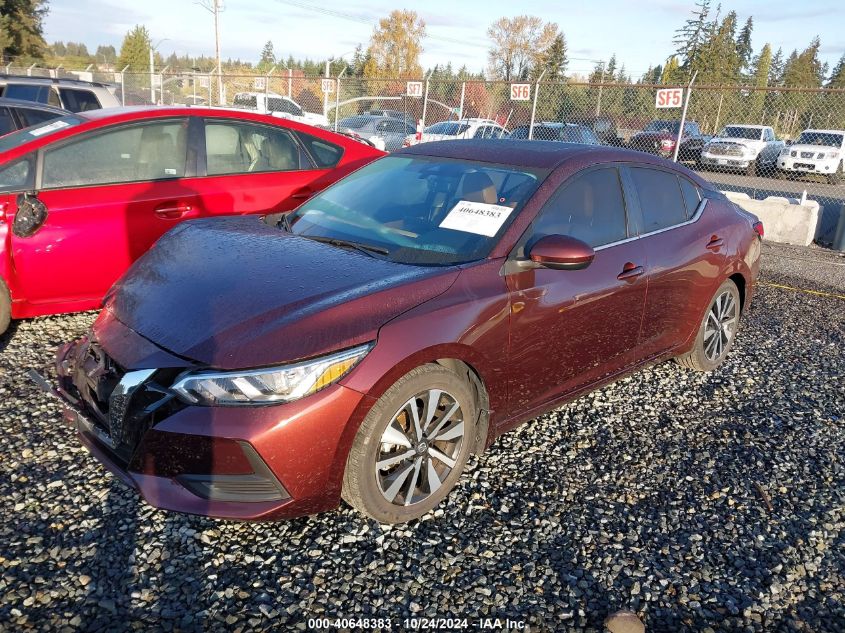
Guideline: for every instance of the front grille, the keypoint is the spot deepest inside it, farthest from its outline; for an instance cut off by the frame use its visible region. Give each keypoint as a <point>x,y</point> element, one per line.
<point>806,154</point>
<point>725,149</point>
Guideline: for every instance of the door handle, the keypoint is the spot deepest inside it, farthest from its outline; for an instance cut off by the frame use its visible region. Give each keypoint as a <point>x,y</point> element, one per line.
<point>715,243</point>
<point>630,272</point>
<point>173,211</point>
<point>302,194</point>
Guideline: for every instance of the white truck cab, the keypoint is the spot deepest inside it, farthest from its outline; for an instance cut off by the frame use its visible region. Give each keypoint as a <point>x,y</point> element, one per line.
<point>815,152</point>
<point>277,105</point>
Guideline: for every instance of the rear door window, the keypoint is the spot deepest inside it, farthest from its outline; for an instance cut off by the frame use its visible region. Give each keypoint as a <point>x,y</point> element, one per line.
<point>660,197</point>
<point>29,92</point>
<point>235,147</point>
<point>35,117</point>
<point>325,154</point>
<point>151,151</point>
<point>692,196</point>
<point>590,208</point>
<point>77,100</point>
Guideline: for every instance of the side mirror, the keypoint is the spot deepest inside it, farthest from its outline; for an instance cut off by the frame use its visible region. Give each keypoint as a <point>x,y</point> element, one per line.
<point>561,252</point>
<point>30,215</point>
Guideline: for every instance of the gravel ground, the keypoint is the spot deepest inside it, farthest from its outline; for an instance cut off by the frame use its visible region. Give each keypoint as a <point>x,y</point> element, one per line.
<point>701,502</point>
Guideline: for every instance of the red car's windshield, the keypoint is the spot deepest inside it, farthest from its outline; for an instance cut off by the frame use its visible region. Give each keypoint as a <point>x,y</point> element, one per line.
<point>16,139</point>
<point>420,210</point>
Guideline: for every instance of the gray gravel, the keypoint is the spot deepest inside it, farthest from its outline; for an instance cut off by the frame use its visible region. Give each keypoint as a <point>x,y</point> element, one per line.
<point>700,502</point>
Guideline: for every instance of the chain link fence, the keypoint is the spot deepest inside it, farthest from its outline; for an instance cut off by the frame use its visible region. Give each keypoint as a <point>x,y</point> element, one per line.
<point>759,141</point>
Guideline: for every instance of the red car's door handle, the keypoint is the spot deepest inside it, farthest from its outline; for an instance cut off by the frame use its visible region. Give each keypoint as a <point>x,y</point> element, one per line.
<point>630,272</point>
<point>302,194</point>
<point>173,211</point>
<point>715,243</point>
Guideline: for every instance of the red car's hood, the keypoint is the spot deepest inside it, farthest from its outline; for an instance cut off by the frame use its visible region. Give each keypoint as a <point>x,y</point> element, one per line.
<point>236,293</point>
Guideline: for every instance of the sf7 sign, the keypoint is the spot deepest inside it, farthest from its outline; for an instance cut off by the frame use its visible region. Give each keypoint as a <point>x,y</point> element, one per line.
<point>520,92</point>
<point>414,89</point>
<point>669,98</point>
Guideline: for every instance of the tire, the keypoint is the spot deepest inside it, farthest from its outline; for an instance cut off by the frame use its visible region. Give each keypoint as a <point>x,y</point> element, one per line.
<point>836,177</point>
<point>781,174</point>
<point>5,307</point>
<point>708,353</point>
<point>386,494</point>
<point>751,170</point>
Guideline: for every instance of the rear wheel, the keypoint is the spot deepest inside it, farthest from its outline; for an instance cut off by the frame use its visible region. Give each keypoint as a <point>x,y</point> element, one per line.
<point>717,331</point>
<point>836,177</point>
<point>412,446</point>
<point>5,307</point>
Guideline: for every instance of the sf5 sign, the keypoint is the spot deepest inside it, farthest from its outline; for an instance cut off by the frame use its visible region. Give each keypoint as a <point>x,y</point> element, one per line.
<point>520,92</point>
<point>669,98</point>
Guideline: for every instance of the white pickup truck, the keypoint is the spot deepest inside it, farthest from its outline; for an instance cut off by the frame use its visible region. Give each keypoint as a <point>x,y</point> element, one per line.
<point>753,149</point>
<point>277,105</point>
<point>815,152</point>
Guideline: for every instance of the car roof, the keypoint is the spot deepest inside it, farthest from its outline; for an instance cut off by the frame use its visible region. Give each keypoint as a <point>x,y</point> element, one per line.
<point>4,77</point>
<point>824,131</point>
<point>32,105</point>
<point>748,125</point>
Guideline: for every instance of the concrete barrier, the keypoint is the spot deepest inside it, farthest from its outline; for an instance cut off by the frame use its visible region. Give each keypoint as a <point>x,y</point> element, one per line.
<point>784,220</point>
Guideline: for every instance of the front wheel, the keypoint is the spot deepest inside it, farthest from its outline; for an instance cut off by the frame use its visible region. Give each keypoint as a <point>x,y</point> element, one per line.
<point>412,446</point>
<point>836,177</point>
<point>5,307</point>
<point>717,331</point>
<point>751,170</point>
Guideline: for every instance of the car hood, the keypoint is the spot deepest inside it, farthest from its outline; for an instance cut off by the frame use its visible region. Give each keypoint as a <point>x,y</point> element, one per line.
<point>746,142</point>
<point>235,293</point>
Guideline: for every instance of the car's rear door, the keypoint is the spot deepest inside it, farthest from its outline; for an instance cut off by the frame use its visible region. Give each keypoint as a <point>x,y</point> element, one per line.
<point>109,194</point>
<point>686,248</point>
<point>251,167</point>
<point>570,328</point>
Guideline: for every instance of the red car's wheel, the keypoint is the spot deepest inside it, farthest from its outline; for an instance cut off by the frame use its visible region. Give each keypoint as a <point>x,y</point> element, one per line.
<point>412,446</point>
<point>5,307</point>
<point>717,332</point>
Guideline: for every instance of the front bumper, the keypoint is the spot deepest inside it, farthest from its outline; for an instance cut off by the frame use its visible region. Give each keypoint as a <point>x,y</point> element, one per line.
<point>244,463</point>
<point>808,165</point>
<point>729,162</point>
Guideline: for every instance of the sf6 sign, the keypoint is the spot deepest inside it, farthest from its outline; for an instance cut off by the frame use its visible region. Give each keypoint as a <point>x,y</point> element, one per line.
<point>669,98</point>
<point>520,92</point>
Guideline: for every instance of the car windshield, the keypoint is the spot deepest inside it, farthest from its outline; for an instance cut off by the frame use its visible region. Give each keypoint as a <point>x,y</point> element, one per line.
<point>663,126</point>
<point>16,139</point>
<point>418,209</point>
<point>820,138</point>
<point>733,131</point>
<point>447,128</point>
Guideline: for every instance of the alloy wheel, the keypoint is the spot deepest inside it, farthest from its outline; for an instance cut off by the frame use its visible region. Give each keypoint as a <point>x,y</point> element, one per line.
<point>720,326</point>
<point>419,447</point>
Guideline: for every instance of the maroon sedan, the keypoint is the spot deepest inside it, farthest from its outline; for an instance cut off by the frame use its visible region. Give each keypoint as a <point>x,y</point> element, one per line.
<point>365,345</point>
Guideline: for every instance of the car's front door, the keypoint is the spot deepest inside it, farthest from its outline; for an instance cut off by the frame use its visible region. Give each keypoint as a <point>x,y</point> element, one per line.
<point>255,168</point>
<point>109,195</point>
<point>686,250</point>
<point>572,328</point>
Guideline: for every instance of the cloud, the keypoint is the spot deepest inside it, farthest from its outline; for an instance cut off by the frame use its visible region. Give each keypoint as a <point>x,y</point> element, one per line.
<point>799,14</point>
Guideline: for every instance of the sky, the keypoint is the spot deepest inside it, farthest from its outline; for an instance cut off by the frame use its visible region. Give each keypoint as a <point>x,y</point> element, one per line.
<point>639,32</point>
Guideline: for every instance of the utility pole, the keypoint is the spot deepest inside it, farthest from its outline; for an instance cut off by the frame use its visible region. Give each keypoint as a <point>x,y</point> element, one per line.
<point>152,76</point>
<point>215,7</point>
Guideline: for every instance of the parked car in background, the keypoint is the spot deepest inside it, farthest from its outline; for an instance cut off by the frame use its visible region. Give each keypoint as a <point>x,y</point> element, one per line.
<point>751,148</point>
<point>277,105</point>
<point>84,195</point>
<point>386,132</point>
<point>398,322</point>
<point>396,114</point>
<point>820,152</point>
<point>603,126</point>
<point>16,114</point>
<point>463,129</point>
<point>555,131</point>
<point>74,95</point>
<point>660,137</point>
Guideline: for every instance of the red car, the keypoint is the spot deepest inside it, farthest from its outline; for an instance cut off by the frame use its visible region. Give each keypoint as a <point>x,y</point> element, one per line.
<point>398,321</point>
<point>83,196</point>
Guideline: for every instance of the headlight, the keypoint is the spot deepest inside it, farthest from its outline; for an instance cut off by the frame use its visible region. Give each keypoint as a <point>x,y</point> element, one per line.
<point>667,143</point>
<point>820,155</point>
<point>268,385</point>
<point>830,155</point>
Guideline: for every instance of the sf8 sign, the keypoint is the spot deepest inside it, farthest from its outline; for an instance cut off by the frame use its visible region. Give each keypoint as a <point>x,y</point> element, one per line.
<point>520,92</point>
<point>669,98</point>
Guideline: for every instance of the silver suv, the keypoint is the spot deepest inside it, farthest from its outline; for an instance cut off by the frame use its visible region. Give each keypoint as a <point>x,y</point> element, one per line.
<point>75,95</point>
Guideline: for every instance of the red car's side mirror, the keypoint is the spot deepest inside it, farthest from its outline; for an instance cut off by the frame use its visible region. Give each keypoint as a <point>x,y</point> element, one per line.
<point>561,252</point>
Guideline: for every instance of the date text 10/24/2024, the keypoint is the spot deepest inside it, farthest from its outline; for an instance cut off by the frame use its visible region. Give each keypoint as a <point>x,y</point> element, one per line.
<point>418,624</point>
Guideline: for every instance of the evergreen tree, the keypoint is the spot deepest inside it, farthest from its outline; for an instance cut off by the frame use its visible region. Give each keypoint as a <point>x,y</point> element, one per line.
<point>837,77</point>
<point>743,43</point>
<point>693,34</point>
<point>553,60</point>
<point>21,28</point>
<point>58,49</point>
<point>804,69</point>
<point>761,67</point>
<point>106,54</point>
<point>268,57</point>
<point>135,50</point>
<point>610,70</point>
<point>776,69</point>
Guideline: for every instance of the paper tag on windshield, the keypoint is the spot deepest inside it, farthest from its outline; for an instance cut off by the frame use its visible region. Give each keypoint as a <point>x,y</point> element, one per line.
<point>476,217</point>
<point>55,125</point>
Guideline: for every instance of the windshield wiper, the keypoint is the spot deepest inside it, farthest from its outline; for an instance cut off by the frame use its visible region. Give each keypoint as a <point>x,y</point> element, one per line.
<point>284,222</point>
<point>364,248</point>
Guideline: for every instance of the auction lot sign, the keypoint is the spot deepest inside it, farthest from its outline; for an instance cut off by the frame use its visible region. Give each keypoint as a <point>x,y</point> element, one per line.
<point>520,92</point>
<point>669,98</point>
